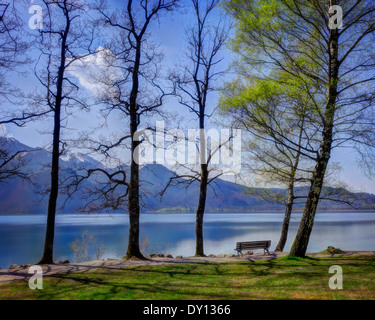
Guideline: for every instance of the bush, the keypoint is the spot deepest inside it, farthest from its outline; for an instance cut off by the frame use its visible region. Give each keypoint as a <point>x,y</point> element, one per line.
<point>82,247</point>
<point>332,250</point>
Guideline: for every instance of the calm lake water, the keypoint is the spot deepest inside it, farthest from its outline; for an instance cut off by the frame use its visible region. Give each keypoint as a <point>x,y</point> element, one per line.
<point>22,237</point>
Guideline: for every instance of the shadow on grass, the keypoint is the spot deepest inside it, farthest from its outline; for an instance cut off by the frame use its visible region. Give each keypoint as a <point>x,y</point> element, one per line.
<point>203,280</point>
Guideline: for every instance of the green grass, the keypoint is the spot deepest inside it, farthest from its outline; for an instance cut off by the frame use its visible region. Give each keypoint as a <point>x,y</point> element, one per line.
<point>283,278</point>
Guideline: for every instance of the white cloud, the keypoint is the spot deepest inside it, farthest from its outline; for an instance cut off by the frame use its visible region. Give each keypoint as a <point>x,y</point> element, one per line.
<point>97,72</point>
<point>4,132</point>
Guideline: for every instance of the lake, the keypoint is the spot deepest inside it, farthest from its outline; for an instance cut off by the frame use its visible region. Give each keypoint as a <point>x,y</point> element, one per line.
<point>22,237</point>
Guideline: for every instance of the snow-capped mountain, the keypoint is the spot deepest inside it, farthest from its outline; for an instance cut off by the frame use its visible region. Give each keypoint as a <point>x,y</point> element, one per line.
<point>20,197</point>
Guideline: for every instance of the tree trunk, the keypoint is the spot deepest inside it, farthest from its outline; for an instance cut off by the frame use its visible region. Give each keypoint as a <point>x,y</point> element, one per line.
<point>290,202</point>
<point>50,231</point>
<point>133,198</point>
<point>199,250</point>
<point>301,241</point>
<point>51,214</point>
<point>288,212</point>
<point>134,211</point>
<point>133,206</point>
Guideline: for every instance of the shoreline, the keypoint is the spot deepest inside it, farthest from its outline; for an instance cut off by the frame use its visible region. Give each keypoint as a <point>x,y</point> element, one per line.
<point>21,273</point>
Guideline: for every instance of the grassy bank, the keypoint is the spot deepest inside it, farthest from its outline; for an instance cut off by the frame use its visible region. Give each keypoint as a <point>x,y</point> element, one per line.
<point>282,278</point>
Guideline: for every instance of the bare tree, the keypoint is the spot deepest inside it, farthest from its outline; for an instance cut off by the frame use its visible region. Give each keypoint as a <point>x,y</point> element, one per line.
<point>193,82</point>
<point>12,55</point>
<point>12,46</point>
<point>132,92</point>
<point>12,162</point>
<point>108,192</point>
<point>83,246</point>
<point>60,41</point>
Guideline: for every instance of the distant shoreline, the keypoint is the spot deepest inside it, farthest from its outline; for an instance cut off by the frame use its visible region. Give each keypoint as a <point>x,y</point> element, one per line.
<point>192,213</point>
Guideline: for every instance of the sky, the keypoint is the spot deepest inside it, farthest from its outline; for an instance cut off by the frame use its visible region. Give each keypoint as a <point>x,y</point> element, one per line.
<point>170,35</point>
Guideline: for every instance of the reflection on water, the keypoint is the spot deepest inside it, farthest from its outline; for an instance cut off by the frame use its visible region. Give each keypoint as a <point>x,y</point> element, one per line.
<point>22,237</point>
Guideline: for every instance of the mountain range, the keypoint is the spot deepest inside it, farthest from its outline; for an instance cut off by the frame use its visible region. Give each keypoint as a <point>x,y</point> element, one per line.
<point>22,197</point>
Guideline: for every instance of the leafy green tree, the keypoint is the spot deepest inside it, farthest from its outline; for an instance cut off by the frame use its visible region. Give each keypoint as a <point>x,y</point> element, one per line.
<point>335,65</point>
<point>274,114</point>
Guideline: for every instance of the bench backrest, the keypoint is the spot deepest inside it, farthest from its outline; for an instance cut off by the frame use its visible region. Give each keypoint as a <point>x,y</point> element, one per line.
<point>253,244</point>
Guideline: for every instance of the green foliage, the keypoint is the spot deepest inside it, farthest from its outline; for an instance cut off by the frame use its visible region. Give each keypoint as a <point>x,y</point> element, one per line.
<point>289,258</point>
<point>277,95</point>
<point>332,250</point>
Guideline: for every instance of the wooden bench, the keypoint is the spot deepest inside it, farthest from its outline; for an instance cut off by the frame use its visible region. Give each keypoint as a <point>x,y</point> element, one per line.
<point>249,245</point>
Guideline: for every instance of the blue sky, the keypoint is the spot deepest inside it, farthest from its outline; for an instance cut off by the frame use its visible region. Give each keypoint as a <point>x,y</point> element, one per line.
<point>170,35</point>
